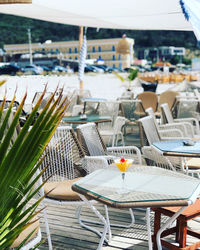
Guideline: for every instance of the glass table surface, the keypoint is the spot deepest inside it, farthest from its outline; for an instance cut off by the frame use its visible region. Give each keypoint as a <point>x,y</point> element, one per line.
<point>147,187</point>
<point>93,99</point>
<point>89,118</point>
<point>177,146</point>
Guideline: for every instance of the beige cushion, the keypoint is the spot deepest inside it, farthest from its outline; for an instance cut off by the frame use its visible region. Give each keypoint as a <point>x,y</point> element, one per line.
<point>61,190</point>
<point>193,163</point>
<point>23,235</point>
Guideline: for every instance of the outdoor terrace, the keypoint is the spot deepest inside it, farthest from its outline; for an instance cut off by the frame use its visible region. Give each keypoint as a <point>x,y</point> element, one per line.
<point>67,233</point>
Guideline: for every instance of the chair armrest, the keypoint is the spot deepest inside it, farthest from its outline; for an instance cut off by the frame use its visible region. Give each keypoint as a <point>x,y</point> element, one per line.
<point>92,163</point>
<point>126,152</point>
<point>186,128</point>
<point>171,133</point>
<point>155,156</point>
<point>193,121</point>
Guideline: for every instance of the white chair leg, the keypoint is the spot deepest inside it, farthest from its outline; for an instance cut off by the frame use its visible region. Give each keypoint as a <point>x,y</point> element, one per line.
<point>122,139</point>
<point>78,215</point>
<point>113,140</point>
<point>148,220</point>
<point>47,227</point>
<point>104,222</point>
<point>81,222</point>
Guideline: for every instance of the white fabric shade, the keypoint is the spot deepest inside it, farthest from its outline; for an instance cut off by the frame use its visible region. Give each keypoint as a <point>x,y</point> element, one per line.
<point>126,14</point>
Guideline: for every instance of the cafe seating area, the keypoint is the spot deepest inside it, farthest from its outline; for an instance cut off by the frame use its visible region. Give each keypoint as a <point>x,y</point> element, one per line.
<point>167,77</point>
<point>140,135</point>
<point>93,133</point>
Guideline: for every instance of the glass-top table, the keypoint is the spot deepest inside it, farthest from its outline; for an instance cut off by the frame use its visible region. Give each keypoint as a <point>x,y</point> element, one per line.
<point>177,148</point>
<point>90,118</point>
<point>147,187</point>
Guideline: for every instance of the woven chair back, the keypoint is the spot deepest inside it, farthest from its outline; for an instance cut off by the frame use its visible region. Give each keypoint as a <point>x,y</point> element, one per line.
<point>77,110</point>
<point>109,108</point>
<point>148,131</point>
<point>150,112</point>
<point>128,108</point>
<point>118,124</point>
<point>169,97</point>
<point>91,140</point>
<point>166,114</point>
<point>149,99</point>
<point>62,156</point>
<point>188,108</point>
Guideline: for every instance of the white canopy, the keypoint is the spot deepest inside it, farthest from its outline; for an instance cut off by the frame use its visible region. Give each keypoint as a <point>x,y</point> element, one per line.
<point>117,14</point>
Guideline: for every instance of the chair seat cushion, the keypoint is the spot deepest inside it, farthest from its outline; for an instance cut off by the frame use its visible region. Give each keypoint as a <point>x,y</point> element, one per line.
<point>61,190</point>
<point>23,235</point>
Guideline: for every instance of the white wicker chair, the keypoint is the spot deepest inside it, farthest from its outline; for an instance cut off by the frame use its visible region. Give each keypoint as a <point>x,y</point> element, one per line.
<point>190,125</point>
<point>93,145</point>
<point>176,129</point>
<point>154,157</point>
<point>108,108</point>
<point>115,133</point>
<point>64,159</point>
<point>188,108</point>
<point>77,110</point>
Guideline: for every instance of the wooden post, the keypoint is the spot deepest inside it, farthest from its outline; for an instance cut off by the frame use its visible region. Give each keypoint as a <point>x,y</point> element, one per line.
<point>80,45</point>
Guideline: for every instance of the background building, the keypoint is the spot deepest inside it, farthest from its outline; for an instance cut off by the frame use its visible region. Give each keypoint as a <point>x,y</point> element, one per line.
<point>103,50</point>
<point>161,53</point>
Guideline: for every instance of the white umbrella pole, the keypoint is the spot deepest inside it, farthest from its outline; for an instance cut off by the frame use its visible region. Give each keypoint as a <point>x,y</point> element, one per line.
<point>80,45</point>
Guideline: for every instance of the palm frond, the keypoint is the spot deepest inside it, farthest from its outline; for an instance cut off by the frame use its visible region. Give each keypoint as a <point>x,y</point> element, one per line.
<point>19,163</point>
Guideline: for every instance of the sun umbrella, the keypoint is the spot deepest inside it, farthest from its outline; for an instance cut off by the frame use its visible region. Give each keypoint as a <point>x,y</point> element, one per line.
<point>191,10</point>
<point>82,58</point>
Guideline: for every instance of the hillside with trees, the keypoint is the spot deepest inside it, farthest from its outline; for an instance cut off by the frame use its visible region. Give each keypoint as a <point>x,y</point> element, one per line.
<point>13,29</point>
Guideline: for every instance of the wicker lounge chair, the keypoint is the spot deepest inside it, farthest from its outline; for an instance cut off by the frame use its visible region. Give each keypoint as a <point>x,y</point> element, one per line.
<point>191,125</point>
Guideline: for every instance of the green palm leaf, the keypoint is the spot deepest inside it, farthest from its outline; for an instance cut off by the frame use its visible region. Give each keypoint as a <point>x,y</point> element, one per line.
<point>19,163</point>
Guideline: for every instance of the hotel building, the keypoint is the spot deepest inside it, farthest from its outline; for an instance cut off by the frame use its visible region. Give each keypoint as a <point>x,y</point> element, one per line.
<point>103,50</point>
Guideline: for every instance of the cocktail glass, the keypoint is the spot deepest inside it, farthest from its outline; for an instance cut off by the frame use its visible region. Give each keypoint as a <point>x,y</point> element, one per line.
<point>123,165</point>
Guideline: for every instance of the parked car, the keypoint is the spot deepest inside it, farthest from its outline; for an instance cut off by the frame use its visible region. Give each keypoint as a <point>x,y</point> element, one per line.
<point>105,68</point>
<point>10,69</point>
<point>45,68</point>
<point>59,68</point>
<point>97,70</point>
<point>89,68</point>
<point>33,69</point>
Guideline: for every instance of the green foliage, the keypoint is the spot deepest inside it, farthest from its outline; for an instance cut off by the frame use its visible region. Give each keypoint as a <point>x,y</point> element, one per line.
<point>187,61</point>
<point>13,29</point>
<point>19,164</point>
<point>132,74</point>
<point>175,60</point>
